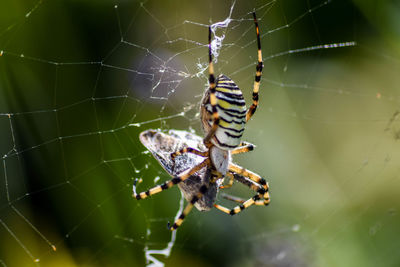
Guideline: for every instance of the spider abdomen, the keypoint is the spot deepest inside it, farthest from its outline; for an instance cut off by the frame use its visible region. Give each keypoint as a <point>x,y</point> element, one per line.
<point>231,108</point>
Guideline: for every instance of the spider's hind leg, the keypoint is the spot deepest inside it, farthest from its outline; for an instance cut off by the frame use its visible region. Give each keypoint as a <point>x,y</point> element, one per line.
<point>254,182</point>
<point>251,201</point>
<point>252,176</point>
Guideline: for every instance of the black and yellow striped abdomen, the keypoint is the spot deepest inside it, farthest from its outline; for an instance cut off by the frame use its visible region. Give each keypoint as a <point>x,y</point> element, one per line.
<point>231,109</point>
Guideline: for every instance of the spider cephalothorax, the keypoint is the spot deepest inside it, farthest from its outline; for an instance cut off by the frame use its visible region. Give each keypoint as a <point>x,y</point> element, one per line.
<point>223,116</point>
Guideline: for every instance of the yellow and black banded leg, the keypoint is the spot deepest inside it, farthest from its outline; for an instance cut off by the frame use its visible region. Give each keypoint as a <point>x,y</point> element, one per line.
<point>252,176</point>
<point>213,98</point>
<point>189,150</point>
<point>250,183</point>
<point>188,208</point>
<point>262,197</point>
<point>172,182</point>
<point>259,68</point>
<point>237,209</point>
<point>244,147</point>
<point>262,202</point>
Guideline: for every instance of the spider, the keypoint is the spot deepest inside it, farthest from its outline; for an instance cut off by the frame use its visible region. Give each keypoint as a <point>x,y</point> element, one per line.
<point>223,115</point>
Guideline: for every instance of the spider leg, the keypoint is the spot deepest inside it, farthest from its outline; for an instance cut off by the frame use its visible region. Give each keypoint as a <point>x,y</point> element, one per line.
<point>172,182</point>
<point>252,176</point>
<point>250,183</point>
<point>260,199</point>
<point>237,209</point>
<point>259,68</point>
<point>189,150</point>
<point>243,148</point>
<point>213,98</point>
<point>188,208</point>
<point>262,202</point>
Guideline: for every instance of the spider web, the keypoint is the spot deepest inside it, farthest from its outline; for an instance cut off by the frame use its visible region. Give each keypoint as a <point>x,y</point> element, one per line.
<point>81,80</point>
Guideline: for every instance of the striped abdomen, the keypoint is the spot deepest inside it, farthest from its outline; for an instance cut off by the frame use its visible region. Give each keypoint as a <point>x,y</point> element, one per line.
<point>231,109</point>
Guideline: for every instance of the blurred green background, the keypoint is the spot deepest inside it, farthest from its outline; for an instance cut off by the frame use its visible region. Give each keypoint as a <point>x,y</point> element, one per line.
<point>75,76</point>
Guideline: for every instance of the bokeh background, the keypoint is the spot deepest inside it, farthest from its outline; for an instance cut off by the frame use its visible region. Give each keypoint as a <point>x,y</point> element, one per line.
<point>79,80</point>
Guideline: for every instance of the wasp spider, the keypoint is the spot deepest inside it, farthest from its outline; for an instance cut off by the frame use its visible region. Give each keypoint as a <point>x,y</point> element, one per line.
<point>223,116</point>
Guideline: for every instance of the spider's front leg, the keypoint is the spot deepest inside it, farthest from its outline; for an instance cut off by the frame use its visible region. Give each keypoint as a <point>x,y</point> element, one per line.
<point>213,98</point>
<point>257,79</point>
